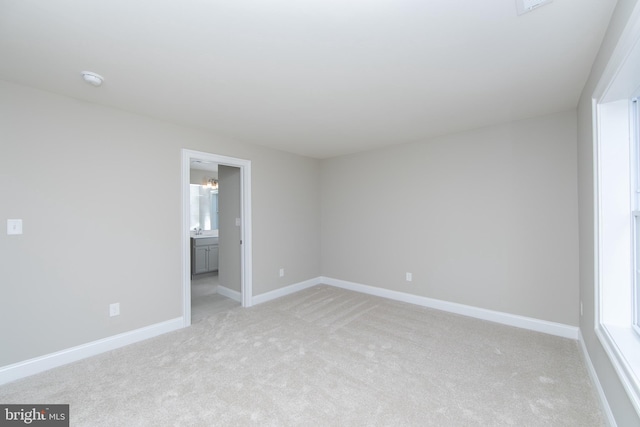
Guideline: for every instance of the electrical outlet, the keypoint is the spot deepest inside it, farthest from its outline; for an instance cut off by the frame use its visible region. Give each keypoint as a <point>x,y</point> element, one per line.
<point>409,277</point>
<point>114,309</point>
<point>282,272</point>
<point>580,308</point>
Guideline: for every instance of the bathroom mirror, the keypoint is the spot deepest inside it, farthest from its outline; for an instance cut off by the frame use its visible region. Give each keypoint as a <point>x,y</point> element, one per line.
<point>204,208</point>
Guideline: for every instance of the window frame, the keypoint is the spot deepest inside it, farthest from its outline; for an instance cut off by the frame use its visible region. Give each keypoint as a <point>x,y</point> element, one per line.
<point>615,255</point>
<point>618,84</point>
<point>615,273</point>
<point>635,213</point>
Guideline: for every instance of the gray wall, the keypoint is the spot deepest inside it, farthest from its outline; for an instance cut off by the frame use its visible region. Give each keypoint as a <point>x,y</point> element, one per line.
<point>485,218</point>
<point>89,238</point>
<point>618,400</point>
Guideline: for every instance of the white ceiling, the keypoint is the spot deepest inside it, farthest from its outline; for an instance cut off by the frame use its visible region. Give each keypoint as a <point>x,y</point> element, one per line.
<point>315,77</point>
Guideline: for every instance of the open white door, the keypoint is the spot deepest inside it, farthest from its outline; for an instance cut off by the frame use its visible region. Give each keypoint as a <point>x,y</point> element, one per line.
<point>239,174</point>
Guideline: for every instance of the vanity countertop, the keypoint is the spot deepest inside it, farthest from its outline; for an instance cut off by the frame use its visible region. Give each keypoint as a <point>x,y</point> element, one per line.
<point>205,234</point>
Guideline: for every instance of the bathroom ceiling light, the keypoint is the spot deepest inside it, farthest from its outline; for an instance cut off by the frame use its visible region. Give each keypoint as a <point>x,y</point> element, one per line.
<point>212,184</point>
<point>92,78</point>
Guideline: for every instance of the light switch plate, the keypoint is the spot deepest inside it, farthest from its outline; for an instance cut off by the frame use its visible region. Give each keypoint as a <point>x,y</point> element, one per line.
<point>14,226</point>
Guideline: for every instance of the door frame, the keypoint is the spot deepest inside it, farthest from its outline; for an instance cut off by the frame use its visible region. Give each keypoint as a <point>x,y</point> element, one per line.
<point>246,262</point>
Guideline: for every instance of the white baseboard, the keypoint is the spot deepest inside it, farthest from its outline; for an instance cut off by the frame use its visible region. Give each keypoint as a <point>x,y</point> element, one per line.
<point>552,328</point>
<point>36,365</point>
<point>296,287</point>
<point>39,364</point>
<point>602,397</point>
<point>229,293</point>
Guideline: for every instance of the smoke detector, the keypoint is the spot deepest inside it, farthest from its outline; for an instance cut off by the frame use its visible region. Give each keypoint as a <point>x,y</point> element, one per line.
<point>525,6</point>
<point>92,78</point>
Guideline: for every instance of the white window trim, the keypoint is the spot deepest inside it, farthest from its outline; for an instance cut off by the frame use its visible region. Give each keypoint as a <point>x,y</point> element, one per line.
<point>614,327</point>
<point>619,84</point>
<point>614,255</point>
<point>635,226</point>
<point>636,285</point>
<point>635,204</point>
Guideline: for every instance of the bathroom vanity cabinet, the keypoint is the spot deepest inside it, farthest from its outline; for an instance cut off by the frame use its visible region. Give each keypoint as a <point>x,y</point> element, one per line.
<point>204,255</point>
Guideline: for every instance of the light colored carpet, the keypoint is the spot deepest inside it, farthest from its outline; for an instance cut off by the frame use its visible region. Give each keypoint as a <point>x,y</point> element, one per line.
<point>327,357</point>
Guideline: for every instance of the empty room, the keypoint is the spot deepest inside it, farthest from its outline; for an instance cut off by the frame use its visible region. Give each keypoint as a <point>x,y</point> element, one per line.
<point>293,213</point>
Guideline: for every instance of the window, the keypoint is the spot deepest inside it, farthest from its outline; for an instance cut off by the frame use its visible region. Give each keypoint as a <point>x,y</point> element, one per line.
<point>616,133</point>
<point>618,232</point>
<point>635,197</point>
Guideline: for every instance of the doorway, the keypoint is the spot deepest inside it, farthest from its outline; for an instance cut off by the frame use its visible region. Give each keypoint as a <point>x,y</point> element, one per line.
<point>235,175</point>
